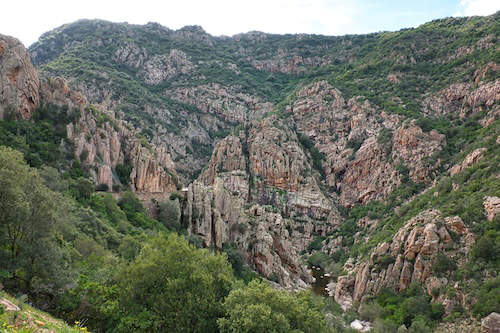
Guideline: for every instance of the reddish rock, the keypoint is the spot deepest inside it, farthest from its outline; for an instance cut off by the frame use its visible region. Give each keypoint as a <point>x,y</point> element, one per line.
<point>19,83</point>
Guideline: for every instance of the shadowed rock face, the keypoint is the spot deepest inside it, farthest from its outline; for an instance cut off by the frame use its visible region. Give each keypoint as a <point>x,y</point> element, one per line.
<point>19,81</point>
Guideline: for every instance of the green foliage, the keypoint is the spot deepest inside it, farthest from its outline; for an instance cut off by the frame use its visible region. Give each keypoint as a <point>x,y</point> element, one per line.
<point>169,213</point>
<point>102,188</point>
<point>443,264</point>
<point>81,189</point>
<point>411,308</point>
<point>355,144</point>
<point>123,171</point>
<point>316,156</point>
<point>385,140</point>
<point>260,308</point>
<point>235,258</point>
<point>30,215</point>
<point>487,298</point>
<point>171,286</point>
<point>315,245</point>
<point>38,138</point>
<point>487,247</point>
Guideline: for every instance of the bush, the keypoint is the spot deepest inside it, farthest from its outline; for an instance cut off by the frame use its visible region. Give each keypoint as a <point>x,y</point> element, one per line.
<point>260,308</point>
<point>419,325</point>
<point>319,259</point>
<point>315,245</point>
<point>123,171</point>
<point>370,311</point>
<point>81,189</point>
<point>487,298</point>
<point>487,246</point>
<point>171,279</point>
<point>169,214</point>
<point>443,264</point>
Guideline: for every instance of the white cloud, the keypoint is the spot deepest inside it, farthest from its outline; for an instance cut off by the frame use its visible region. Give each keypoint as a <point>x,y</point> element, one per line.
<point>478,7</point>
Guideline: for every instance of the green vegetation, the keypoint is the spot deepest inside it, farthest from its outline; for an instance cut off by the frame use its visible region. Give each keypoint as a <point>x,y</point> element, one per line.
<point>85,255</point>
<point>316,155</point>
<point>30,319</point>
<point>259,308</point>
<point>40,138</point>
<point>411,308</point>
<point>104,263</point>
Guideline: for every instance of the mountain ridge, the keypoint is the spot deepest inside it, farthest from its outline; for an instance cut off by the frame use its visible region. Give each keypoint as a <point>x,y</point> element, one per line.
<point>301,150</point>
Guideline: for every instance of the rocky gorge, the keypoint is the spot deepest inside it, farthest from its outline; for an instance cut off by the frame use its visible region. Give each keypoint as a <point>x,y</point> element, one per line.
<point>385,170</point>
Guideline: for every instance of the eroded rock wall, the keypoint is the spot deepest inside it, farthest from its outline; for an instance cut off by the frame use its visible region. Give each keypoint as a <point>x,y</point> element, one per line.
<point>19,83</point>
<point>410,256</point>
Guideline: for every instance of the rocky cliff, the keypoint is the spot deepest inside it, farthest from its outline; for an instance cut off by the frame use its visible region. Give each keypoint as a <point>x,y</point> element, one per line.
<point>409,257</point>
<point>100,141</point>
<point>19,83</point>
<point>259,192</point>
<point>362,145</point>
<point>377,152</point>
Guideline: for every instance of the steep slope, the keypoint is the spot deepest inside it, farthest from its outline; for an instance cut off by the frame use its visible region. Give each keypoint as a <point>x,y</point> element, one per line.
<point>108,148</point>
<point>377,153</point>
<point>18,317</point>
<point>260,192</point>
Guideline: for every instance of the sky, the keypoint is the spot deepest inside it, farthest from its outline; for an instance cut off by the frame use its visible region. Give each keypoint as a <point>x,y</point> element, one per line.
<point>28,19</point>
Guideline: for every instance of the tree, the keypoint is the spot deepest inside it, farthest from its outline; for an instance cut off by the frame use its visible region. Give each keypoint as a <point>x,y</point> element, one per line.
<point>28,220</point>
<point>259,308</point>
<point>169,213</point>
<point>173,287</point>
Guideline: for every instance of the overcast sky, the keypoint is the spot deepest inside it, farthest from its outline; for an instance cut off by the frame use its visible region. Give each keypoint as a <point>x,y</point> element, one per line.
<point>28,19</point>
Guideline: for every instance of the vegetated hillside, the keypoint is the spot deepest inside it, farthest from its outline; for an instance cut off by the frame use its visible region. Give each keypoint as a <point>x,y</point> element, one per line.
<point>186,88</point>
<point>374,157</point>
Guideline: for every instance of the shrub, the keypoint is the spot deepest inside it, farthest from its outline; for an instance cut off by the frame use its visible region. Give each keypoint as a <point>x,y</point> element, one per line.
<point>319,259</point>
<point>443,264</point>
<point>169,213</point>
<point>370,311</point>
<point>123,172</point>
<point>419,325</point>
<point>315,245</point>
<point>487,246</point>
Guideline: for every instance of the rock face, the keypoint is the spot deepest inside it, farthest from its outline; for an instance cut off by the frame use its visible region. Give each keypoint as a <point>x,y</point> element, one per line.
<point>363,146</point>
<point>492,207</point>
<point>469,160</point>
<point>491,323</point>
<point>258,191</point>
<point>409,257</point>
<point>462,98</point>
<point>218,216</point>
<point>19,81</point>
<point>225,102</point>
<point>102,142</point>
<point>163,67</point>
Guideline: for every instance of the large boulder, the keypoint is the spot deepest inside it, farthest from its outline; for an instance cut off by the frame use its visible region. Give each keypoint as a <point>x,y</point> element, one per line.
<point>491,323</point>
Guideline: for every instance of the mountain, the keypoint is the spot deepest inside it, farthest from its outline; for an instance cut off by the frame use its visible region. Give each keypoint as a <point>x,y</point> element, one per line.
<point>374,157</point>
